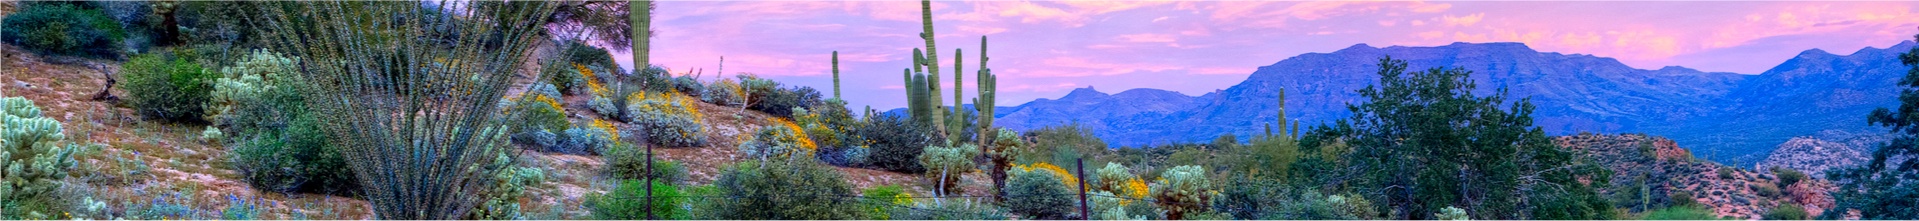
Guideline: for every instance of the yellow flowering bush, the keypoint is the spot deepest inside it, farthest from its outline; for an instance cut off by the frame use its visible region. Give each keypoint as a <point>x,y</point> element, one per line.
<point>667,119</point>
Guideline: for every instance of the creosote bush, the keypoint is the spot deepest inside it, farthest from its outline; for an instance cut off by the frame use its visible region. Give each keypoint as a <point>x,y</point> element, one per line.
<point>625,161</point>
<point>1039,193</point>
<point>798,189</point>
<point>63,29</point>
<point>167,86</point>
<point>896,143</point>
<point>628,202</point>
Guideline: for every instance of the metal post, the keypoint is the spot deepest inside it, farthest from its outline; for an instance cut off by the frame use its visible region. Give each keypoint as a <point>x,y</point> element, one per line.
<point>1085,213</point>
<point>649,182</point>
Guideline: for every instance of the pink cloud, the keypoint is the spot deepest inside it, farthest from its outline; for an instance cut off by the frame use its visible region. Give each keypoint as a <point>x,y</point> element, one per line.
<point>1146,38</point>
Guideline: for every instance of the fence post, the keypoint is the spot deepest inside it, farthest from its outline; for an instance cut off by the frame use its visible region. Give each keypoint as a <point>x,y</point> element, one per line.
<point>649,181</point>
<point>1085,213</point>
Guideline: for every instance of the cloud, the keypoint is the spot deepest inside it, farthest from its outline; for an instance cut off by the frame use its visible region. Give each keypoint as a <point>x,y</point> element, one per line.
<point>1145,38</point>
<point>1467,20</point>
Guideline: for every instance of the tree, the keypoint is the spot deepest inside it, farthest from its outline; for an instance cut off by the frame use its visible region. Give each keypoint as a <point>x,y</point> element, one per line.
<point>1888,186</point>
<point>1424,141</point>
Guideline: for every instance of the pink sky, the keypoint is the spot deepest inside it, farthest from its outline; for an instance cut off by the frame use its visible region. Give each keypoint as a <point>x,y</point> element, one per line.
<point>1045,49</point>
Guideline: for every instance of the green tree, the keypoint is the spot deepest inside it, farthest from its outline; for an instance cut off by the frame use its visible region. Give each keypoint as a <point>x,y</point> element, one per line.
<point>1887,187</point>
<point>1424,141</point>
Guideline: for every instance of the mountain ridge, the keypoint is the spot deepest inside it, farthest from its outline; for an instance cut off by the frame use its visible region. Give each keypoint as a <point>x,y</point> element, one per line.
<point>1573,93</point>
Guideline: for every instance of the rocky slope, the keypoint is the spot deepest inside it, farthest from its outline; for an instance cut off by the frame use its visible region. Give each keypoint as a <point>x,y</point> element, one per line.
<point>1665,168</point>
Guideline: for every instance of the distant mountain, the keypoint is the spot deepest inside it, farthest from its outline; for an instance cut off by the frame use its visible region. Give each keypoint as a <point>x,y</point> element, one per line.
<point>1726,115</point>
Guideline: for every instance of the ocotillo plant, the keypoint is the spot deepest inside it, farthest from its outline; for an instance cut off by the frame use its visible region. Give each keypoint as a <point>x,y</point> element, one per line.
<point>988,89</point>
<point>417,119</point>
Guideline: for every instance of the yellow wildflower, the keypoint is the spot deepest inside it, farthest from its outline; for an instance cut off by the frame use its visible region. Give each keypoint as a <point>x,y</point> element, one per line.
<point>903,198</point>
<point>1064,177</point>
<point>603,125</point>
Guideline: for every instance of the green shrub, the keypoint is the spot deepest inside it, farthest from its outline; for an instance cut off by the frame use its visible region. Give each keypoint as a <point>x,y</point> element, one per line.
<point>1765,189</point>
<point>1788,176</point>
<point>1683,198</point>
<point>667,120</point>
<point>945,165</point>
<point>1038,194</point>
<point>801,189</point>
<point>896,143</point>
<point>1183,190</point>
<point>1725,173</point>
<point>688,85</point>
<point>628,202</point>
<point>584,141</point>
<point>302,158</point>
<point>167,86</point>
<point>625,161</point>
<point>1314,206</point>
<point>63,29</point>
<point>36,157</point>
<point>542,114</point>
<point>1688,212</point>
<point>1452,213</point>
<point>724,93</point>
<point>1787,211</point>
<point>781,101</point>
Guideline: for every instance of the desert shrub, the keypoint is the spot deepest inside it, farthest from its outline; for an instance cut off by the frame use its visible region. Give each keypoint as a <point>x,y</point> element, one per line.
<point>628,202</point>
<point>1311,205</point>
<point>538,138</point>
<point>667,119</point>
<point>1036,193</point>
<point>1683,198</point>
<point>945,165</point>
<point>63,29</point>
<point>1183,190</point>
<point>544,89</point>
<point>726,92</point>
<point>510,183</point>
<point>1788,176</point>
<point>1688,212</point>
<point>1725,173</point>
<point>1452,213</point>
<point>605,107</point>
<point>782,101</point>
<point>960,209</point>
<point>542,114</point>
<point>654,79</point>
<point>625,161</point>
<point>36,157</point>
<point>301,158</point>
<point>585,140</point>
<point>167,86</point>
<point>1787,211</point>
<point>896,143</point>
<point>688,85</point>
<point>801,189</point>
<point>755,89</point>
<point>1765,189</point>
<point>781,141</point>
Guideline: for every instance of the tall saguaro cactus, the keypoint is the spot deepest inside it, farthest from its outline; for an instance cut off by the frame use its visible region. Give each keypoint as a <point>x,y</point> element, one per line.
<point>640,13</point>
<point>931,62</point>
<point>836,75</point>
<point>988,89</point>
<point>919,92</point>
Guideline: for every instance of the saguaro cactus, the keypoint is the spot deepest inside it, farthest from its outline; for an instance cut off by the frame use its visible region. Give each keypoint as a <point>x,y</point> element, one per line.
<point>984,102</point>
<point>836,75</point>
<point>931,62</point>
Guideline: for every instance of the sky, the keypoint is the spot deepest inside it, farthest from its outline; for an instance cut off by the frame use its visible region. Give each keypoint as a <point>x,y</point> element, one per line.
<point>1044,49</point>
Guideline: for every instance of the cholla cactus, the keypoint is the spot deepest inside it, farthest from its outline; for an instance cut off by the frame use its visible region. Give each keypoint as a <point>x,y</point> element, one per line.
<point>1107,206</point>
<point>246,81</point>
<point>1452,213</point>
<point>510,184</point>
<point>1000,153</point>
<point>949,163</point>
<point>1115,178</point>
<point>1184,190</point>
<point>667,119</point>
<point>34,157</point>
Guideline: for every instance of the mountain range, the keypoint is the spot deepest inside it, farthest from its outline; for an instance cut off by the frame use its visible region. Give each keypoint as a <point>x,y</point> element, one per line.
<point>1726,117</point>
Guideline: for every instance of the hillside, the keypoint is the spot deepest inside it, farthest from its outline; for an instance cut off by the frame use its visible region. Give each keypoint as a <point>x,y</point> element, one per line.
<point>144,164</point>
<point>1666,169</point>
<point>1725,116</point>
